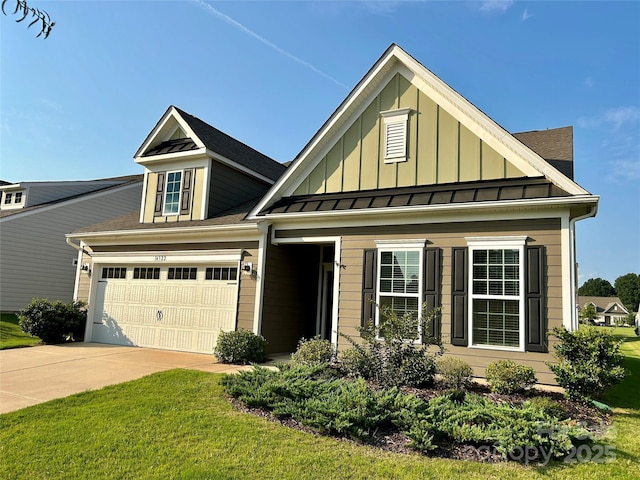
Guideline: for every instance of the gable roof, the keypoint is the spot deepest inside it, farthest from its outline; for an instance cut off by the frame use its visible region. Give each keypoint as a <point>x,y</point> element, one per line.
<point>101,185</point>
<point>602,304</point>
<point>395,60</point>
<point>202,136</point>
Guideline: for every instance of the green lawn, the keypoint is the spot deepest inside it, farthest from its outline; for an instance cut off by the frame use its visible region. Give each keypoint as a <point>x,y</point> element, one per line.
<point>10,334</point>
<point>178,424</point>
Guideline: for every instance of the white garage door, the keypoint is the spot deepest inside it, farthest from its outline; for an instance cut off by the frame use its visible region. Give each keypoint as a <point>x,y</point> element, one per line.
<point>175,307</point>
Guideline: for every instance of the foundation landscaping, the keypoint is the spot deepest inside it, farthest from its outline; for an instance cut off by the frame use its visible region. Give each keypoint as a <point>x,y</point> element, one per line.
<point>379,410</point>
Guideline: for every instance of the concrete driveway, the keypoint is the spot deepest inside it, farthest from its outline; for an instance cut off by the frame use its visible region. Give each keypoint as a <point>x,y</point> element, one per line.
<point>36,374</point>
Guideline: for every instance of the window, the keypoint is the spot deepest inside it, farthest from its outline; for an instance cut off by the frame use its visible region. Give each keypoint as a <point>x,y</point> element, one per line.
<point>18,197</point>
<point>496,286</point>
<point>395,135</point>
<point>114,272</point>
<point>221,273</point>
<point>182,273</point>
<point>7,198</point>
<point>146,273</point>
<point>172,193</point>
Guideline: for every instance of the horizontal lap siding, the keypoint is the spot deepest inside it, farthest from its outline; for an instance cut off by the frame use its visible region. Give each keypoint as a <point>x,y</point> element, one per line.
<point>445,236</point>
<point>247,293</point>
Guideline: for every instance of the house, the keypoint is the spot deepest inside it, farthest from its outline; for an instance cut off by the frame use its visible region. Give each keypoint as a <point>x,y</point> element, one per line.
<point>405,181</point>
<point>34,217</point>
<point>609,310</point>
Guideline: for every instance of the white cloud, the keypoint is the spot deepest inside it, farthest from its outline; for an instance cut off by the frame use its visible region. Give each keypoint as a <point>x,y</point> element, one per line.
<point>625,170</point>
<point>238,26</point>
<point>622,116</point>
<point>499,6</point>
<point>525,15</point>
<point>588,83</point>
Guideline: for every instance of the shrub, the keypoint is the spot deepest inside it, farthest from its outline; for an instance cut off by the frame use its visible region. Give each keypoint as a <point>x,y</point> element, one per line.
<point>53,322</point>
<point>315,351</point>
<point>548,406</point>
<point>455,372</point>
<point>589,362</point>
<point>240,347</point>
<point>506,376</point>
<point>390,353</point>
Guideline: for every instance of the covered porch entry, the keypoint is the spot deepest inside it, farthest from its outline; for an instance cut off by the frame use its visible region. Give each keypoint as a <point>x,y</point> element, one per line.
<point>299,301</point>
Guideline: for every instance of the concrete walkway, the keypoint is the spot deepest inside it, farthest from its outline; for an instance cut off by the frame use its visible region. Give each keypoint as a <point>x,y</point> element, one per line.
<point>36,374</point>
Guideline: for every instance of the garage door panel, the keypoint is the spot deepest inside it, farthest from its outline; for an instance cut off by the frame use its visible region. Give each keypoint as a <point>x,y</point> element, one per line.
<point>173,314</point>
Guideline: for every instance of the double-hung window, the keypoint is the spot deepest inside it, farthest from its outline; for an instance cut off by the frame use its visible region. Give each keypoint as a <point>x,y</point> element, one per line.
<point>400,277</point>
<point>496,285</point>
<point>172,193</point>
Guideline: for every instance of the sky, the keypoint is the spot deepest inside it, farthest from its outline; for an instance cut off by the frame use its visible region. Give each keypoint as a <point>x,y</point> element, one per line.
<point>78,104</point>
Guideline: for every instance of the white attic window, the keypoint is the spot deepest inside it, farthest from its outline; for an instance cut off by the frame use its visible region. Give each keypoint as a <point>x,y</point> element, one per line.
<point>395,134</point>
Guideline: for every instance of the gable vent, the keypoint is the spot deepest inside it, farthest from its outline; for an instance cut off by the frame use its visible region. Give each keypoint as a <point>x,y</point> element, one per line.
<point>395,135</point>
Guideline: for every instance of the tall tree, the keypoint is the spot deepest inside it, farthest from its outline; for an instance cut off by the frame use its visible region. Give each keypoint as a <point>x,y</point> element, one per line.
<point>628,289</point>
<point>597,287</point>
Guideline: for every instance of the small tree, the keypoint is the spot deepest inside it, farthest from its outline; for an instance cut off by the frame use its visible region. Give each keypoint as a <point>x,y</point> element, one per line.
<point>589,362</point>
<point>394,352</point>
<point>588,314</point>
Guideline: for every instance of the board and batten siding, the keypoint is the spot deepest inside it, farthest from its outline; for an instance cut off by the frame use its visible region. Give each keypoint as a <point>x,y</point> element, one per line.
<point>439,149</point>
<point>36,260</point>
<point>446,236</point>
<point>246,288</point>
<point>198,183</point>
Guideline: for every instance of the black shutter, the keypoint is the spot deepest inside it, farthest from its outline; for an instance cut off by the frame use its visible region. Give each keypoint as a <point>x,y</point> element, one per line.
<point>535,317</point>
<point>187,181</point>
<point>369,285</point>
<point>432,282</point>
<point>159,194</point>
<point>459,297</point>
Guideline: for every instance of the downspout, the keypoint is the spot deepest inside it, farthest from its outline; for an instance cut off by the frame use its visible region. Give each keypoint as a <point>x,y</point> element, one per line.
<point>574,265</point>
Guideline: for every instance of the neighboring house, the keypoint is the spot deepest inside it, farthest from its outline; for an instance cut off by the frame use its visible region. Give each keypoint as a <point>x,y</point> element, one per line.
<point>407,194</point>
<point>609,310</point>
<point>35,261</point>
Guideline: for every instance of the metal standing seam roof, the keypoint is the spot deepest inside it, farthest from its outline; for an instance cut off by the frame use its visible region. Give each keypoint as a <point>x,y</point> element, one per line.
<point>452,193</point>
<point>223,144</point>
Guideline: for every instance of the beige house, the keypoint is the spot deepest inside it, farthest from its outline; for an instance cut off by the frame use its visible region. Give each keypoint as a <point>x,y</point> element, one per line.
<point>407,194</point>
<point>34,217</point>
<point>609,310</point>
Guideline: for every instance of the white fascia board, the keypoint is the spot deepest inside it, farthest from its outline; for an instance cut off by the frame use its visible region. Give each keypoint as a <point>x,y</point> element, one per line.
<point>429,214</point>
<point>358,95</point>
<point>227,233</point>
<point>171,156</point>
<point>530,163</point>
<point>159,257</point>
<point>237,166</point>
<point>66,203</point>
<point>200,160</point>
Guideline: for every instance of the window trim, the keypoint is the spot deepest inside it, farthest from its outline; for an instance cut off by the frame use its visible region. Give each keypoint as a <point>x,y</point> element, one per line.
<point>395,118</point>
<point>166,192</point>
<point>8,198</point>
<point>498,243</point>
<point>400,246</point>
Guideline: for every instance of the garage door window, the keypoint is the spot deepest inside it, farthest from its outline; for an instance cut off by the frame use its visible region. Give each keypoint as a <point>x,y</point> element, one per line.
<point>114,272</point>
<point>222,273</point>
<point>146,273</point>
<point>182,273</point>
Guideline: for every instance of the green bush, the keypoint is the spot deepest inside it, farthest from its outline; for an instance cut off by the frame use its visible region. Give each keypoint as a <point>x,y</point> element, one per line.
<point>455,373</point>
<point>506,376</point>
<point>589,361</point>
<point>314,351</point>
<point>548,406</point>
<point>391,354</point>
<point>240,347</point>
<point>54,322</point>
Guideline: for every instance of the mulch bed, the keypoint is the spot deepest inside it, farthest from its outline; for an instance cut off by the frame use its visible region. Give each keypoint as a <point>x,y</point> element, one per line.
<point>393,440</point>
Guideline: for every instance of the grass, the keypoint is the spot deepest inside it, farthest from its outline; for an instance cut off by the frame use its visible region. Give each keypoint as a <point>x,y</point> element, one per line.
<point>10,334</point>
<point>178,424</point>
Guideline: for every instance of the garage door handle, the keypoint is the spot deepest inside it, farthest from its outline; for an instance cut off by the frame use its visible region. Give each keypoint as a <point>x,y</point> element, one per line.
<point>159,315</point>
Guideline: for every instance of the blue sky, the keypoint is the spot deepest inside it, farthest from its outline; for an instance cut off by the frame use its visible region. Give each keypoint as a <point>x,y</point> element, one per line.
<point>78,104</point>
